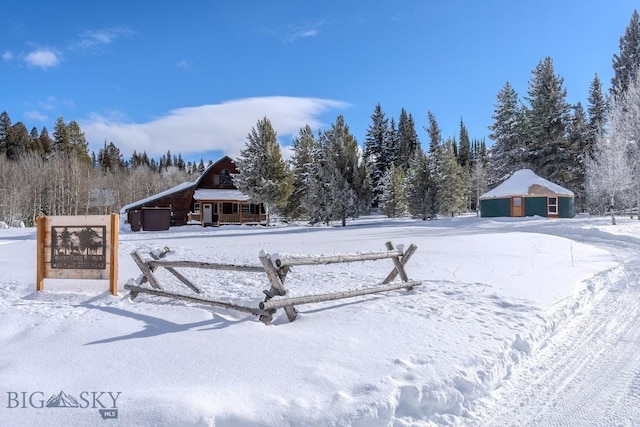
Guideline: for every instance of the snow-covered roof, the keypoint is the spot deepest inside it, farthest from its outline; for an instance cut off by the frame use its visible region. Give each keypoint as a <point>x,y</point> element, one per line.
<point>526,183</point>
<point>215,194</point>
<point>150,199</point>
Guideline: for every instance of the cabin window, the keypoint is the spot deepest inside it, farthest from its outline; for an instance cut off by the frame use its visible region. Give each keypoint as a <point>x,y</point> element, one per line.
<point>552,205</point>
<point>250,208</point>
<point>196,207</point>
<point>225,177</point>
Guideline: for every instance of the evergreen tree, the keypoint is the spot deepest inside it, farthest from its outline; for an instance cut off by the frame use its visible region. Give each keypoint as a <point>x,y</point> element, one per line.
<point>549,152</point>
<point>5,129</point>
<point>508,152</point>
<point>435,136</point>
<point>452,187</point>
<point>392,145</point>
<point>302,165</point>
<point>626,63</point>
<point>346,173</point>
<point>393,202</point>
<point>109,158</point>
<point>578,138</point>
<point>418,186</point>
<point>17,142</point>
<point>263,175</point>
<point>46,142</point>
<point>597,110</point>
<point>78,142</point>
<point>375,150</point>
<point>464,153</point>
<point>61,137</point>
<point>408,141</point>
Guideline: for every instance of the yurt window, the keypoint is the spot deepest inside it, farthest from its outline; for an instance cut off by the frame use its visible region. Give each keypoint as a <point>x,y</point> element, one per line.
<point>553,205</point>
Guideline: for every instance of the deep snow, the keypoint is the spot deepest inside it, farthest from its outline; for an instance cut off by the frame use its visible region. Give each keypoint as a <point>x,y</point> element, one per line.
<point>498,296</point>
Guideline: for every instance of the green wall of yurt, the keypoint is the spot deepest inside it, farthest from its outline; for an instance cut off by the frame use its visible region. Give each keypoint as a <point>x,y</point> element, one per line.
<point>495,207</point>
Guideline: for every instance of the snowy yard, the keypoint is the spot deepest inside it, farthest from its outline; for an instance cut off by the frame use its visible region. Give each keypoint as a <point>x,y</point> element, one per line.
<point>493,292</point>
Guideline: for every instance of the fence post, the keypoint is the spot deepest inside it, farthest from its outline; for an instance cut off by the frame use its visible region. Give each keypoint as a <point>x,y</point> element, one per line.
<point>277,285</point>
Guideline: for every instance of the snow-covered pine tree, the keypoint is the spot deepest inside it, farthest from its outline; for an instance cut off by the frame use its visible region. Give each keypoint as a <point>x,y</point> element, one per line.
<point>548,150</point>
<point>627,62</point>
<point>375,150</point>
<point>408,142</point>
<point>451,183</point>
<point>578,138</point>
<point>597,111</point>
<point>263,175</point>
<point>418,185</point>
<point>393,201</point>
<point>435,144</point>
<point>346,172</point>
<point>508,153</point>
<point>302,168</point>
<point>392,144</point>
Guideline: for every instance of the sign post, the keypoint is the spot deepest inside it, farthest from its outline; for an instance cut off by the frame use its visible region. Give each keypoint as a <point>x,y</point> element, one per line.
<point>77,247</point>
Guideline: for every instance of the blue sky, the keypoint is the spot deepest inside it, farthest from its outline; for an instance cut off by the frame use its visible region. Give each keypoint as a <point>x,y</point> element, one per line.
<point>194,76</point>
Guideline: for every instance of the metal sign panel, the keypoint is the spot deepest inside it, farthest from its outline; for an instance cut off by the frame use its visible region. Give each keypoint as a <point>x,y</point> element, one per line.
<point>81,248</point>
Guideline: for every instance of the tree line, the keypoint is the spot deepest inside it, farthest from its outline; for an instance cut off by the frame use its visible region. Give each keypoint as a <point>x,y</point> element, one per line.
<point>330,178</point>
<point>56,175</point>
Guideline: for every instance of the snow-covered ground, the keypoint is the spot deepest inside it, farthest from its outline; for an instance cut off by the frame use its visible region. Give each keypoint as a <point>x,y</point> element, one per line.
<point>517,322</point>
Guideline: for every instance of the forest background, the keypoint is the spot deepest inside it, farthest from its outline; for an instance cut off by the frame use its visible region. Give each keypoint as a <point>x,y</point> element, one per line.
<point>590,150</point>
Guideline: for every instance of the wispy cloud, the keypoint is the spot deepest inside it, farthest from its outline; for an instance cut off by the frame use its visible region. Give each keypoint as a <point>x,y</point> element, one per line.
<point>7,56</point>
<point>43,58</point>
<point>36,116</point>
<point>91,40</point>
<point>222,127</point>
<point>310,30</point>
<point>184,65</point>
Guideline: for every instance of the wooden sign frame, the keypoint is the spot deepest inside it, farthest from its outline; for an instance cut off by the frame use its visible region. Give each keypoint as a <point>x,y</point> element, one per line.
<point>76,248</point>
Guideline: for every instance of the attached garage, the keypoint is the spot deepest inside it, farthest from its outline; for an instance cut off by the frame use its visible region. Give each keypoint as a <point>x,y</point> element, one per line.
<point>527,194</point>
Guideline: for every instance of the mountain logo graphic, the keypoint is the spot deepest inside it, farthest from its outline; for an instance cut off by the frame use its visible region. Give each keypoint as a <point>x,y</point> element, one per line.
<point>62,400</point>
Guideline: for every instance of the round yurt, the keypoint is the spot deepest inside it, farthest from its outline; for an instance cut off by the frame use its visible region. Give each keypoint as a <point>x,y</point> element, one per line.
<point>527,194</point>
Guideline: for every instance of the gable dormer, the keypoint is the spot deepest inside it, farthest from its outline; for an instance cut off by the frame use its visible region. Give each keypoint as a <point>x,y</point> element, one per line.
<point>219,175</point>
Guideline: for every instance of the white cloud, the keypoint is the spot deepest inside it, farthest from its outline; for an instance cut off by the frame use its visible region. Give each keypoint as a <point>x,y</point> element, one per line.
<point>311,30</point>
<point>223,127</point>
<point>43,58</point>
<point>184,65</point>
<point>99,38</point>
<point>7,56</point>
<point>35,116</point>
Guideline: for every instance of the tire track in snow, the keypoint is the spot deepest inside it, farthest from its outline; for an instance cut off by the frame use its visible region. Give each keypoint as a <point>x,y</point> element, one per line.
<point>588,374</point>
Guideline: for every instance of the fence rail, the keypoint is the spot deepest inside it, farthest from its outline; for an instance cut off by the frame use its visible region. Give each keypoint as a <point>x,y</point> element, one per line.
<point>276,267</point>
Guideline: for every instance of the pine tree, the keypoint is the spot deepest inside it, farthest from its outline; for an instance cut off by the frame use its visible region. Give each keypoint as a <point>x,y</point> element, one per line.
<point>547,118</point>
<point>392,145</point>
<point>346,173</point>
<point>435,136</point>
<point>508,152</point>
<point>263,175</point>
<point>375,150</point>
<point>597,110</point>
<point>61,137</point>
<point>627,62</point>
<point>17,141</point>
<point>578,138</point>
<point>302,166</point>
<point>452,189</point>
<point>45,142</point>
<point>418,186</point>
<point>5,129</point>
<point>77,142</point>
<point>393,202</point>
<point>408,141</point>
<point>464,153</point>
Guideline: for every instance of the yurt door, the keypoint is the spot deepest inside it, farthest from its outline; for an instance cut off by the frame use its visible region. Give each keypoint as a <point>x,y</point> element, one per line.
<point>517,209</point>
